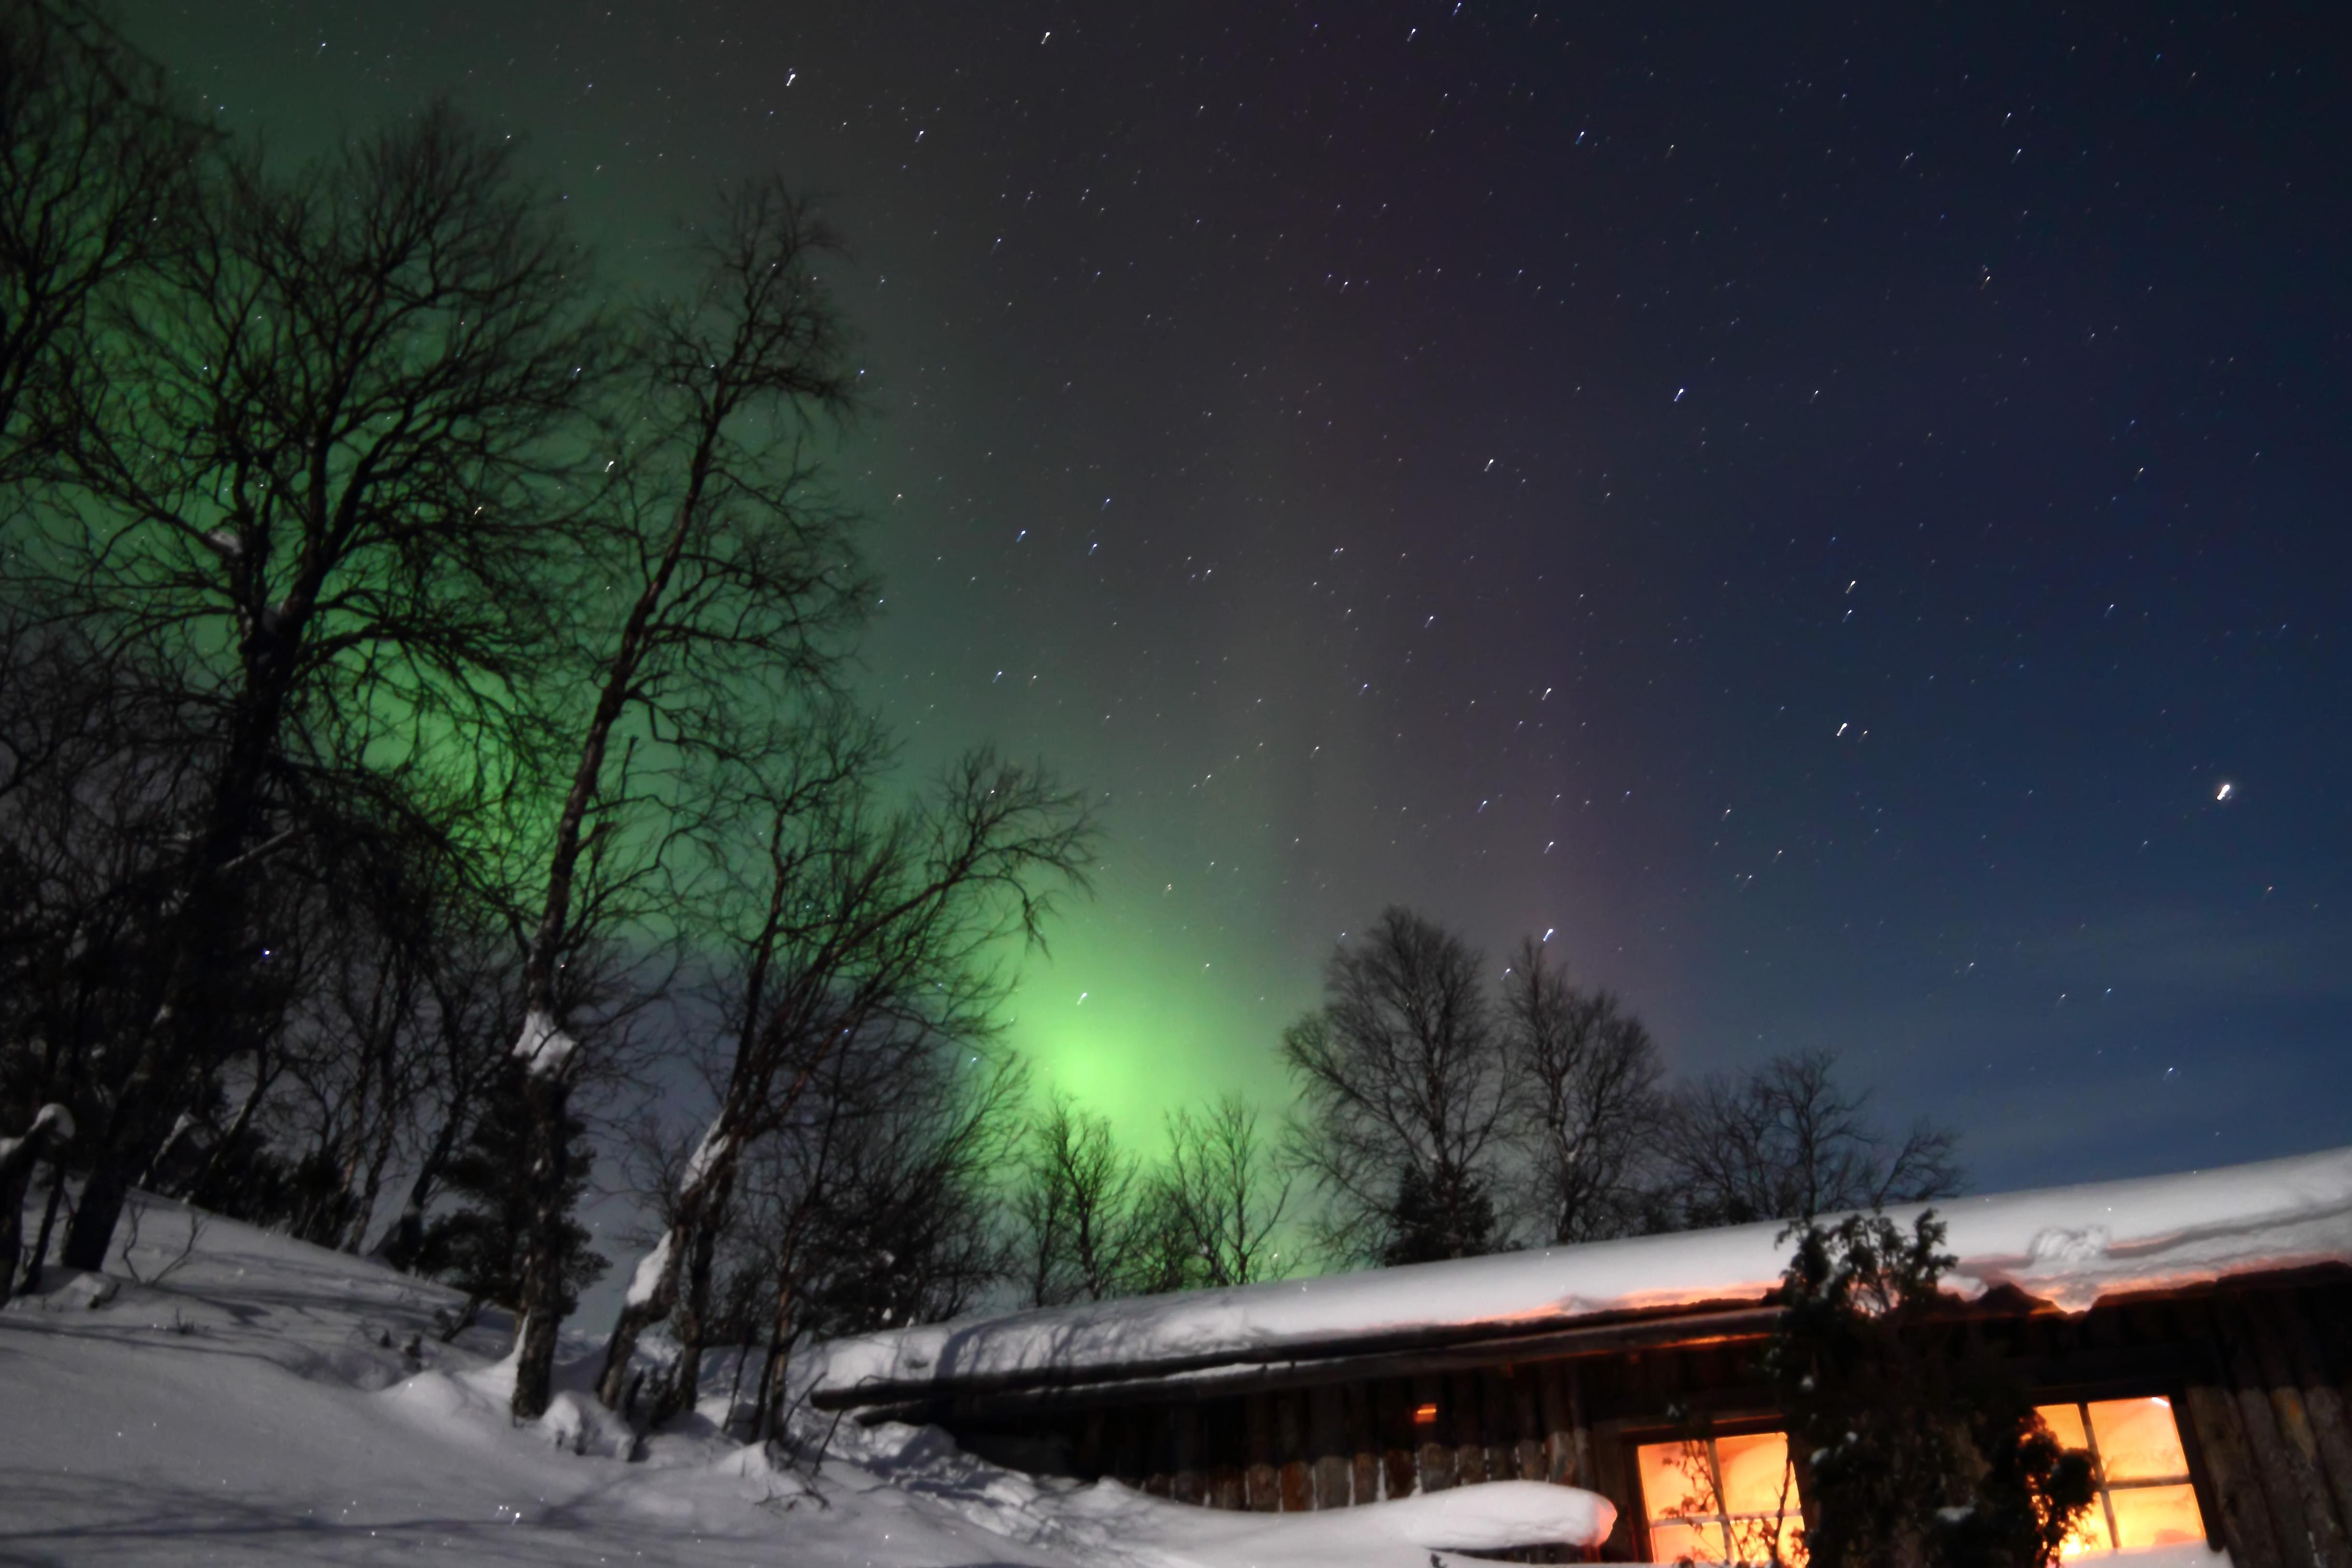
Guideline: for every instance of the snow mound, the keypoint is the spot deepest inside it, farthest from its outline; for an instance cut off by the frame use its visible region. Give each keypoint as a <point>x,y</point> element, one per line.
<point>222,1393</point>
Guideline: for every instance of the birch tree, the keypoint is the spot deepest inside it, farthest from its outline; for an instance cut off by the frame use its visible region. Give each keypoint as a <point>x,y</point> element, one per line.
<point>886,934</point>
<point>735,589</point>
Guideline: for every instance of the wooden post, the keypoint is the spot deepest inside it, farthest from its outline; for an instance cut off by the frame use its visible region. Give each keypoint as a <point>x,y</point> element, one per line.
<point>1400,1465</point>
<point>1186,1483</point>
<point>1262,1484</point>
<point>1295,1483</point>
<point>1464,1416</point>
<point>1225,1445</point>
<point>1436,1455</point>
<point>1327,1442</point>
<point>1361,1403</point>
<point>1612,1477</point>
<point>1526,1408</point>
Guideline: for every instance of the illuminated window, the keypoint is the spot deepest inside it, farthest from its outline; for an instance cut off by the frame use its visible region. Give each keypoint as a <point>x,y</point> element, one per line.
<point>2144,1497</point>
<point>1721,1500</point>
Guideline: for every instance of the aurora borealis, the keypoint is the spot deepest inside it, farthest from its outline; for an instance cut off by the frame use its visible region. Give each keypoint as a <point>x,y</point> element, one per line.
<point>1811,506</point>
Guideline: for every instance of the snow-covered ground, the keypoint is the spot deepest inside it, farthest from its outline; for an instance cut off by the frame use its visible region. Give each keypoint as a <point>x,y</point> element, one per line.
<point>261,1402</point>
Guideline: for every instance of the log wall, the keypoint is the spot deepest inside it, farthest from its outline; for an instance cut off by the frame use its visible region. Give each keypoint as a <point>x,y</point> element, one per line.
<point>2260,1377</point>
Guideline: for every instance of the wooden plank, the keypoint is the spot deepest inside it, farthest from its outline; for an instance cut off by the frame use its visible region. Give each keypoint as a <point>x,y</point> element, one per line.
<point>1400,1465</point>
<point>1612,1479</point>
<point>1363,1442</point>
<point>1500,1409</point>
<point>1528,1423</point>
<point>1432,1449</point>
<point>1294,1484</point>
<point>1187,1481</point>
<point>2323,1402</point>
<point>1225,1449</point>
<point>1327,1444</point>
<point>2331,1545</point>
<point>1553,1387</point>
<point>2239,1516</point>
<point>1464,1420</point>
<point>1264,1491</point>
<point>2275,1462</point>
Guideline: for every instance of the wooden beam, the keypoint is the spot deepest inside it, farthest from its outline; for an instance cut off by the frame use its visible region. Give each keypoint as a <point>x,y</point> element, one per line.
<point>948,1404</point>
<point>1450,1347</point>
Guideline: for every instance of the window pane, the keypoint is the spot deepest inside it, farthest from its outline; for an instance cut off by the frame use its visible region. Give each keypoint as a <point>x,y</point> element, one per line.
<point>1687,1542</point>
<point>2089,1534</point>
<point>2065,1424</point>
<point>2157,1516</point>
<point>1754,1469</point>
<point>2137,1440</point>
<point>1675,1483</point>
<point>1751,1539</point>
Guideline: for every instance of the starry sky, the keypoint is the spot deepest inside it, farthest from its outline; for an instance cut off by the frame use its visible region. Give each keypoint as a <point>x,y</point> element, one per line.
<point>1836,512</point>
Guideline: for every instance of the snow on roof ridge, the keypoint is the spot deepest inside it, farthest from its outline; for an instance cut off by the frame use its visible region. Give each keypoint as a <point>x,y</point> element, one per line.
<point>2069,1246</point>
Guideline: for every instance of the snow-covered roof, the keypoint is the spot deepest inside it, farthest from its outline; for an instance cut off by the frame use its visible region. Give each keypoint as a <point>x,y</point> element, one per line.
<point>2066,1245</point>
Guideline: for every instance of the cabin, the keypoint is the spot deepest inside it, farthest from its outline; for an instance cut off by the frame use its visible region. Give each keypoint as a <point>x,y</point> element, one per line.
<point>2194,1331</point>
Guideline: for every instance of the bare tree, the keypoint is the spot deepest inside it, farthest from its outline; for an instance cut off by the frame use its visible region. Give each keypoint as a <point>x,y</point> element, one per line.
<point>1078,1206</point>
<point>1586,1100</point>
<point>98,175</point>
<point>1225,1195</point>
<point>735,578</point>
<point>1401,1096</point>
<point>875,924</point>
<point>867,1204</point>
<point>313,462</point>
<point>1786,1142</point>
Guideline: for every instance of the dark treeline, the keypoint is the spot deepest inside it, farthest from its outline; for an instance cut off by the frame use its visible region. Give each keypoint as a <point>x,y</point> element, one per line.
<point>423,747</point>
<point>1443,1110</point>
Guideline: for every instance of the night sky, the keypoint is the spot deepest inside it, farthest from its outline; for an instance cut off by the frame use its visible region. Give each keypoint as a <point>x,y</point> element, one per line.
<point>1837,514</point>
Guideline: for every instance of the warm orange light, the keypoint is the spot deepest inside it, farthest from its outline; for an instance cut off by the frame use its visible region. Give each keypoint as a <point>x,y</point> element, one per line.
<point>1424,1415</point>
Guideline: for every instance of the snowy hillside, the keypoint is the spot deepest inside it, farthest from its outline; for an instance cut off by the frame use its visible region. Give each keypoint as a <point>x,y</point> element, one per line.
<point>263,1400</point>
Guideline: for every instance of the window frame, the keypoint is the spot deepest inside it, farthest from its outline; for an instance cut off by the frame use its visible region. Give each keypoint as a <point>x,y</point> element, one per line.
<point>2198,1479</point>
<point>1638,1439</point>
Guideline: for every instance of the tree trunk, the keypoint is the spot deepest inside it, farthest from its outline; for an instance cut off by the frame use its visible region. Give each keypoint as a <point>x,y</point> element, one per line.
<point>92,1235</point>
<point>17,1158</point>
<point>683,1389</point>
<point>547,1095</point>
<point>208,914</point>
<point>406,1234</point>
<point>773,1389</point>
<point>691,1238</point>
<point>40,1257</point>
<point>193,1190</point>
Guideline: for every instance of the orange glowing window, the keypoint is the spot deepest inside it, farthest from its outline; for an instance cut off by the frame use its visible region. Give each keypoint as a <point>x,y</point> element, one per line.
<point>2144,1497</point>
<point>1721,1500</point>
<point>1424,1415</point>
